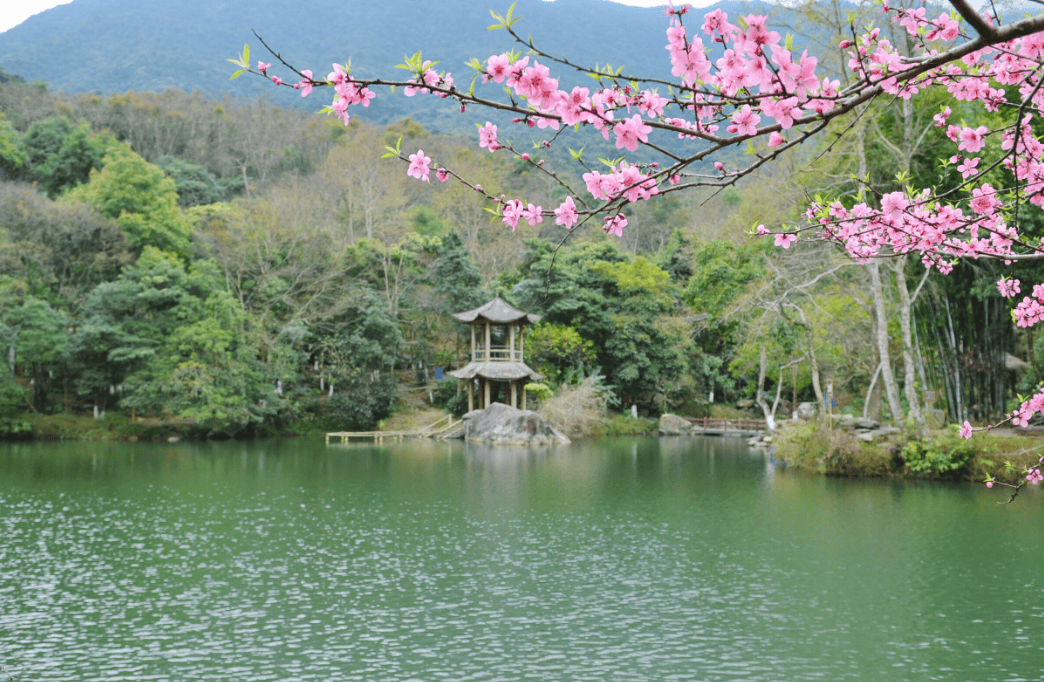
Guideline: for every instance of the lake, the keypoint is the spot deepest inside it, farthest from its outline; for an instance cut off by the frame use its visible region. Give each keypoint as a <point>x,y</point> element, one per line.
<point>620,559</point>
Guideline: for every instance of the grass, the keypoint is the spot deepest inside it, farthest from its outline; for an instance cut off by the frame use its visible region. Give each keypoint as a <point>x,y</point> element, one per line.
<point>111,427</point>
<point>943,455</point>
<point>411,419</point>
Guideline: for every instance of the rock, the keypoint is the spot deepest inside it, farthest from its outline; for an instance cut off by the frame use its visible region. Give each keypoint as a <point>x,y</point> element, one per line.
<point>935,419</point>
<point>806,411</point>
<point>847,421</point>
<point>673,425</point>
<point>504,425</point>
<point>173,439</point>
<point>867,436</point>
<point>744,404</point>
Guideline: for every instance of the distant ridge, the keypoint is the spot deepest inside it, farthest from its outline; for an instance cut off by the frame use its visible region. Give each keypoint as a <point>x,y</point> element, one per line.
<point>112,46</point>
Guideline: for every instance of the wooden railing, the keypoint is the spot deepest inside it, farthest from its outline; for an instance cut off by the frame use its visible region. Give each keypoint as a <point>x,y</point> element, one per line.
<point>433,430</point>
<point>722,424</point>
<point>496,354</point>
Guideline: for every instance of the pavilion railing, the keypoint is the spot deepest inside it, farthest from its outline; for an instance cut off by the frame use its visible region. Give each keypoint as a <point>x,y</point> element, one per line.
<point>496,354</point>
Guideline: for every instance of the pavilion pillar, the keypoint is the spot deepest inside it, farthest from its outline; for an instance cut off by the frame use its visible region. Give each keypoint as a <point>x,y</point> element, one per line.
<point>488,356</point>
<point>523,397</point>
<point>473,343</point>
<point>514,402</point>
<point>471,395</point>
<point>485,383</point>
<point>511,349</point>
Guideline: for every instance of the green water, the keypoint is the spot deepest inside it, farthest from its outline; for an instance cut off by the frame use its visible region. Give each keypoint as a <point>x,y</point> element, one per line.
<point>628,559</point>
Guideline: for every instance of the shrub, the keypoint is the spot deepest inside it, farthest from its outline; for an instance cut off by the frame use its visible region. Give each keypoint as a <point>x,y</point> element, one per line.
<point>447,396</point>
<point>576,410</point>
<point>947,456</point>
<point>361,403</point>
<point>835,452</point>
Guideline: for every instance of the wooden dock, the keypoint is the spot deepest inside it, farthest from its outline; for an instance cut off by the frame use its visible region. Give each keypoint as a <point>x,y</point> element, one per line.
<point>438,429</point>
<point>714,426</point>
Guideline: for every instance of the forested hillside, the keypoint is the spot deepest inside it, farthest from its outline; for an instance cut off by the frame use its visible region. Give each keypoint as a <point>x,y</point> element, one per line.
<point>248,268</point>
<point>226,264</point>
<point>146,45</point>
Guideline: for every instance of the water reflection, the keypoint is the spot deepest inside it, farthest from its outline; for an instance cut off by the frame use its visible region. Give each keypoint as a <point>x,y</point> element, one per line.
<point>616,559</point>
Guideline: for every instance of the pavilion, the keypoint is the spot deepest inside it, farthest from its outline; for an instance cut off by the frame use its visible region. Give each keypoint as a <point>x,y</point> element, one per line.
<point>497,342</point>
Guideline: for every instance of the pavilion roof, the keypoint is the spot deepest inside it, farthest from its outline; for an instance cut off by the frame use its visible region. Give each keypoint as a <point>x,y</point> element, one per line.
<point>498,311</point>
<point>499,371</point>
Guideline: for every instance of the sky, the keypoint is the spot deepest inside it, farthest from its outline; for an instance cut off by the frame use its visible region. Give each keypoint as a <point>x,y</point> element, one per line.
<point>14,13</point>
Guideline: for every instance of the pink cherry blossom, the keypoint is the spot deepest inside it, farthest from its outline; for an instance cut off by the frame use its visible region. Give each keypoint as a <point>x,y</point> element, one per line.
<point>510,213</point>
<point>966,430</point>
<point>488,137</point>
<point>1008,287</point>
<point>744,121</point>
<point>497,67</point>
<point>615,224</point>
<point>630,131</point>
<point>533,214</point>
<point>305,86</point>
<point>565,214</point>
<point>785,239</point>
<point>972,140</point>
<point>968,168</point>
<point>419,166</point>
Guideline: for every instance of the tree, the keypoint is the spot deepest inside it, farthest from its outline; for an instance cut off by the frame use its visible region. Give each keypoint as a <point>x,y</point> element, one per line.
<point>61,249</point>
<point>194,184</point>
<point>760,78</point>
<point>623,306</point>
<point>140,197</point>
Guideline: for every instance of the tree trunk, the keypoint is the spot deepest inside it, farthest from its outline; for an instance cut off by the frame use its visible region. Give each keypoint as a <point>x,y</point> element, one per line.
<point>909,366</point>
<point>888,377</point>
<point>770,419</point>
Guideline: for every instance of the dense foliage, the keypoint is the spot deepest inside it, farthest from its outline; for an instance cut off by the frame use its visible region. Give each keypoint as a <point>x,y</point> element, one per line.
<point>166,257</point>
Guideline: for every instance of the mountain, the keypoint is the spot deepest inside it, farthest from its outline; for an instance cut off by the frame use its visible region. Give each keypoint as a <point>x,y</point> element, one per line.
<point>111,46</point>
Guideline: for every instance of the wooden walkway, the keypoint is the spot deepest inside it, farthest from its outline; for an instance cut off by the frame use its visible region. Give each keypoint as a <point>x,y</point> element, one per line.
<point>713,426</point>
<point>438,429</point>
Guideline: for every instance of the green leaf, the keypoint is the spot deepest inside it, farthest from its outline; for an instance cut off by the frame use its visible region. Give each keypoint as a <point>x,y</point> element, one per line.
<point>237,74</point>
<point>246,54</point>
<point>575,155</point>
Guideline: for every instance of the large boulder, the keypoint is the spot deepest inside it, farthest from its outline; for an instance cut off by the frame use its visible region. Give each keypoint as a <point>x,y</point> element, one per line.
<point>673,425</point>
<point>806,412</point>
<point>935,419</point>
<point>504,425</point>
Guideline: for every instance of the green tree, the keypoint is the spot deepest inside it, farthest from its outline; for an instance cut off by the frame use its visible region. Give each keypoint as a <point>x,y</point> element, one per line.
<point>194,184</point>
<point>61,155</point>
<point>625,306</point>
<point>13,157</point>
<point>61,249</point>
<point>142,199</point>
<point>359,356</point>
